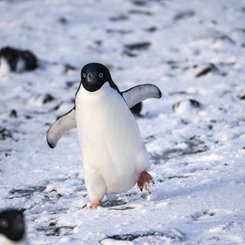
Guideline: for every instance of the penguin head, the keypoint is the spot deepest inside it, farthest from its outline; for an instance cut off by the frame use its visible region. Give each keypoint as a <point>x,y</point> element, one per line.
<point>12,225</point>
<point>94,75</point>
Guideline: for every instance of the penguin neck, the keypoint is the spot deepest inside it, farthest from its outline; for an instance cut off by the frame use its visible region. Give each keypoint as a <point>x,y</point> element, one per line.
<point>95,99</point>
<point>103,90</point>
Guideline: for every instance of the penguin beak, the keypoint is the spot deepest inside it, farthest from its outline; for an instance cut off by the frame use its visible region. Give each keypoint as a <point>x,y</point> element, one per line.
<point>90,77</point>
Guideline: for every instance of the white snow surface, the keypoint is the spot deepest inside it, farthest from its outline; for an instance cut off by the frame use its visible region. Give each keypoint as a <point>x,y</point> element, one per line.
<point>191,50</point>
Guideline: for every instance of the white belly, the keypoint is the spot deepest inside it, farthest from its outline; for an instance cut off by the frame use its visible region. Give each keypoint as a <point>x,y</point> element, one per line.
<point>111,143</point>
<point>4,67</point>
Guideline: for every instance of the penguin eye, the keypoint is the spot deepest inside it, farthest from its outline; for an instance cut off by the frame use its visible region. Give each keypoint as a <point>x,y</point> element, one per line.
<point>84,74</point>
<point>101,75</point>
<point>4,223</point>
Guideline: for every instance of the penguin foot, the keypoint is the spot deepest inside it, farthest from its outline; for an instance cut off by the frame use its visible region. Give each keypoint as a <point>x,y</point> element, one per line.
<point>94,204</point>
<point>144,181</point>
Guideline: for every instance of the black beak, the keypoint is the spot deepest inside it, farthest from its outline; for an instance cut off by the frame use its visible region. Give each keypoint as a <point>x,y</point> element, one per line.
<point>90,77</point>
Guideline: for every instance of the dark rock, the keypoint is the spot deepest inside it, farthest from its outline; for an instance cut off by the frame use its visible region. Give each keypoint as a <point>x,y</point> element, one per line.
<point>130,49</point>
<point>140,2</point>
<point>13,113</point>
<point>28,117</point>
<point>242,97</point>
<point>129,53</point>
<point>147,13</point>
<point>5,134</point>
<point>51,224</point>
<point>206,70</point>
<point>98,42</point>
<point>138,46</point>
<point>63,20</point>
<point>68,67</point>
<point>70,84</point>
<point>119,17</point>
<point>48,98</point>
<point>184,14</point>
<point>151,29</point>
<point>119,31</point>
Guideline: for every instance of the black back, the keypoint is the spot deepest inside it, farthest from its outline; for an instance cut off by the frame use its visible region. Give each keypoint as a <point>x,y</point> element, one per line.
<point>94,75</point>
<point>11,56</point>
<point>12,224</point>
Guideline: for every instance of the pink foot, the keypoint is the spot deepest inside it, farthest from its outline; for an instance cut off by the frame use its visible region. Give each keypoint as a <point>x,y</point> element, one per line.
<point>94,204</point>
<point>144,181</point>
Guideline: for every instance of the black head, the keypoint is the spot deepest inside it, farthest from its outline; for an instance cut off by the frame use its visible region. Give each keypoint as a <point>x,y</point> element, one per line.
<point>12,224</point>
<point>94,75</point>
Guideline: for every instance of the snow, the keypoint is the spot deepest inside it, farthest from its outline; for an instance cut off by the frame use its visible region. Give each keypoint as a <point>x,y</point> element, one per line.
<point>191,51</point>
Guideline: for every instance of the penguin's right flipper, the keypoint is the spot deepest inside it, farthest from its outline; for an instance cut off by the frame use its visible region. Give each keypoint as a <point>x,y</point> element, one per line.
<point>61,126</point>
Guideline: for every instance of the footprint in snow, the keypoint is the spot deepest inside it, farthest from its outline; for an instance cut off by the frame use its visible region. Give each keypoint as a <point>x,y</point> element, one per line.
<point>208,215</point>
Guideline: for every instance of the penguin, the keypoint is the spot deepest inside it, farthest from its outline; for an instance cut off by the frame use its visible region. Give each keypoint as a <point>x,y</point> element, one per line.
<point>16,60</point>
<point>12,227</point>
<point>114,155</point>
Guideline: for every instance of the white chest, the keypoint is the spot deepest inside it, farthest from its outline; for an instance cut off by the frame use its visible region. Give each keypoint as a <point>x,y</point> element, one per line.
<point>104,122</point>
<point>5,241</point>
<point>4,67</point>
<point>109,136</point>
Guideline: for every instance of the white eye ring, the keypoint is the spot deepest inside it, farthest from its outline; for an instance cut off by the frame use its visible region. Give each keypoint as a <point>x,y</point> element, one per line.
<point>4,223</point>
<point>101,75</point>
<point>84,74</point>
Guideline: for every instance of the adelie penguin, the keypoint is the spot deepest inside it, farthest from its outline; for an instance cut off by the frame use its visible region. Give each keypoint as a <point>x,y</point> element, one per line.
<point>12,228</point>
<point>16,60</point>
<point>114,155</point>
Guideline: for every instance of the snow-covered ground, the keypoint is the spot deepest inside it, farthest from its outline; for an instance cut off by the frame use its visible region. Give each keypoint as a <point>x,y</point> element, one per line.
<point>195,52</point>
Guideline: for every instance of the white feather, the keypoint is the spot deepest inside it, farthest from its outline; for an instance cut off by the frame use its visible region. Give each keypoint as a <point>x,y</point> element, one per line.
<point>112,148</point>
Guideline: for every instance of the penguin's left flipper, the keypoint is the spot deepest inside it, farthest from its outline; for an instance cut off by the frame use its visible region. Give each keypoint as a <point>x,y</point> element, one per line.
<point>62,125</point>
<point>139,93</point>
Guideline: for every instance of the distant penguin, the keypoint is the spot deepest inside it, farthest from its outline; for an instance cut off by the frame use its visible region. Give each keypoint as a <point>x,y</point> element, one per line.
<point>186,106</point>
<point>12,228</point>
<point>114,155</point>
<point>16,60</point>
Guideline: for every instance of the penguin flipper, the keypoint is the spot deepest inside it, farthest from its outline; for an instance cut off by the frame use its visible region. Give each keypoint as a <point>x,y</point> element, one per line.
<point>139,93</point>
<point>61,126</point>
